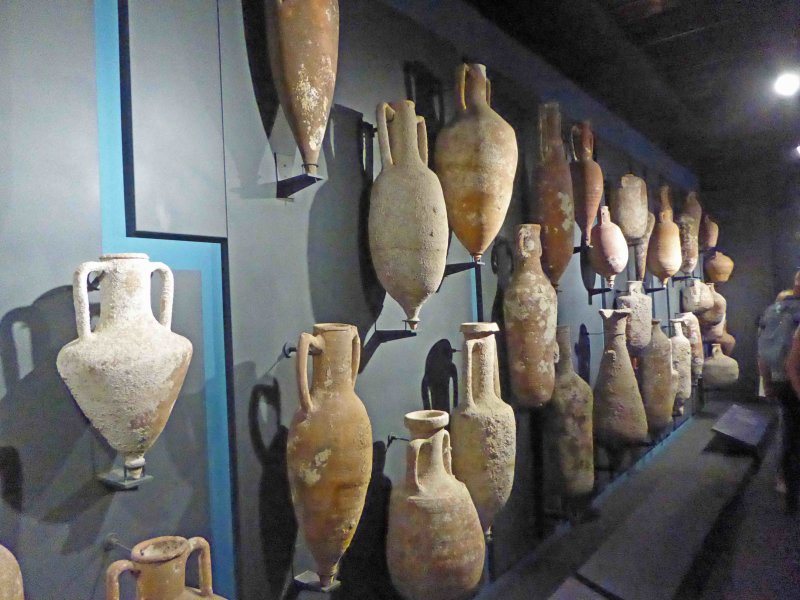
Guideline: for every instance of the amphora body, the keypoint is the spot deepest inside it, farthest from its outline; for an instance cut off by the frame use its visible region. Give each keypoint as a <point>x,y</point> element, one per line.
<point>329,448</point>
<point>639,324</point>
<point>159,567</point>
<point>719,370</point>
<point>718,267</point>
<point>658,392</point>
<point>681,362</point>
<point>10,577</point>
<point>587,180</point>
<point>530,308</point>
<point>434,545</point>
<point>709,233</point>
<point>407,219</point>
<point>476,160</point>
<point>483,427</point>
<point>628,207</point>
<point>609,250</point>
<point>696,297</point>
<point>691,329</point>
<point>127,373</point>
<point>689,226</point>
<point>664,251</point>
<point>640,251</point>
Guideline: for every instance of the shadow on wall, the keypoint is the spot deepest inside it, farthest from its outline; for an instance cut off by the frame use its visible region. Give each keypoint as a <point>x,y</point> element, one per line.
<point>583,352</point>
<point>440,373</point>
<point>503,267</point>
<point>255,35</point>
<point>40,427</point>
<point>344,287</point>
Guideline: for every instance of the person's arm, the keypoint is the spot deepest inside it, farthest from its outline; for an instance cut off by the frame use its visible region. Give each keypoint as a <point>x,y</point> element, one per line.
<point>793,363</point>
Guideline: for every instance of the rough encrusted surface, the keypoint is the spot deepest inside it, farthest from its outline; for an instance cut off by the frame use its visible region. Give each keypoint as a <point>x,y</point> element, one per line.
<point>619,416</point>
<point>720,370</point>
<point>434,544</point>
<point>303,38</point>
<point>714,315</point>
<point>628,206</point>
<point>681,362</point>
<point>709,233</point>
<point>664,250</point>
<point>640,250</point>
<point>691,329</point>
<point>329,453</point>
<point>530,308</point>
<point>587,181</point>
<point>690,248</point>
<point>609,250</point>
<point>407,219</point>
<point>718,267</point>
<point>476,160</point>
<point>658,393</point>
<point>696,297</point>
<point>569,444</point>
<point>483,430</point>
<point>639,328</point>
<point>125,375</point>
<point>10,577</point>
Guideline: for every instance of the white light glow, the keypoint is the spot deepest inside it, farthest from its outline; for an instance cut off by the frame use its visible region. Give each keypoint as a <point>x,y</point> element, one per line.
<point>787,84</point>
<point>797,149</point>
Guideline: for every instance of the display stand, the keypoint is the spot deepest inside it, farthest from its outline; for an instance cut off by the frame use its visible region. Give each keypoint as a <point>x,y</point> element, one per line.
<point>287,184</point>
<point>378,337</point>
<point>119,480</point>
<point>309,581</point>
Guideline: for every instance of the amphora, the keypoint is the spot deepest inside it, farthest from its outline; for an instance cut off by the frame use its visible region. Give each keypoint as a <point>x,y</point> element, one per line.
<point>691,329</point>
<point>664,250</point>
<point>689,226</point>
<point>681,362</point>
<point>609,250</point>
<point>709,233</point>
<point>639,324</point>
<point>718,267</point>
<point>696,297</point>
<point>127,373</point>
<point>719,370</point>
<point>658,393</point>
<point>329,448</point>
<point>483,427</point>
<point>640,250</point>
<point>476,160</point>
<point>715,315</point>
<point>159,567</point>
<point>587,179</point>
<point>434,545</point>
<point>408,231</point>
<point>628,207</point>
<point>10,577</point>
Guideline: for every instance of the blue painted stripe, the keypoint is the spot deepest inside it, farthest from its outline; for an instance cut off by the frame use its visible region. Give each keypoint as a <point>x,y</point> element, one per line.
<point>180,255</point>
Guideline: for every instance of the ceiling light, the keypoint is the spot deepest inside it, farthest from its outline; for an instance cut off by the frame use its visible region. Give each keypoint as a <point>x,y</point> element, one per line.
<point>787,84</point>
<point>797,149</point>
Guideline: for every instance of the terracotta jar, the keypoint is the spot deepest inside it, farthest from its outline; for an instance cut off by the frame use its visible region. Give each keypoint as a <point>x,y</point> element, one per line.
<point>10,577</point>
<point>628,206</point>
<point>716,314</point>
<point>719,370</point>
<point>483,427</point>
<point>714,333</point>
<point>434,545</point>
<point>691,329</point>
<point>127,373</point>
<point>587,179</point>
<point>476,160</point>
<point>727,342</point>
<point>709,234</point>
<point>619,417</point>
<point>408,232</point>
<point>159,566</point>
<point>555,209</point>
<point>655,370</point>
<point>664,250</point>
<point>718,267</point>
<point>681,362</point>
<point>569,447</point>
<point>530,307</point>
<point>640,251</point>
<point>303,38</point>
<point>696,297</point>
<point>329,447</point>
<point>639,324</point>
<point>689,226</point>
<point>609,250</point>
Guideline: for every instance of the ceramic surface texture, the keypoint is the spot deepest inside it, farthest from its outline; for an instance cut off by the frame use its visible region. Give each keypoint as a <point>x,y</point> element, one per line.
<point>696,297</point>
<point>689,226</point>
<point>658,393</point>
<point>715,315</point>
<point>639,324</point>
<point>628,206</point>
<point>718,267</point>
<point>609,250</point>
<point>10,577</point>
<point>640,250</point>
<point>719,370</point>
<point>709,233</point>
<point>681,361</point>
<point>691,329</point>
<point>664,251</point>
<point>587,179</point>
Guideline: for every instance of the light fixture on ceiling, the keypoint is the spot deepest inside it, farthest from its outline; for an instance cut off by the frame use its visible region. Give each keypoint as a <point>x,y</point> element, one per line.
<point>787,84</point>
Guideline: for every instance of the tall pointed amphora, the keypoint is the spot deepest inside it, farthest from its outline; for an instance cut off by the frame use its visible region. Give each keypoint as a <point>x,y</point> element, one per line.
<point>681,363</point>
<point>159,568</point>
<point>619,417</point>
<point>530,307</point>
<point>664,251</point>
<point>609,250</point>
<point>125,374</point>
<point>658,391</point>
<point>691,329</point>
<point>640,251</point>
<point>587,179</point>
<point>408,231</point>
<point>329,448</point>
<point>555,209</point>
<point>628,207</point>
<point>303,37</point>
<point>10,577</point>
<point>568,430</point>
<point>639,327</point>
<point>434,544</point>
<point>476,160</point>
<point>689,226</point>
<point>483,427</point>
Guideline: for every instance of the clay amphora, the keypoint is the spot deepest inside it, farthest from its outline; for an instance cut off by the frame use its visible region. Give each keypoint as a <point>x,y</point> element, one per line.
<point>696,297</point>
<point>719,370</point>
<point>303,38</point>
<point>640,251</point>
<point>689,226</point>
<point>714,333</point>
<point>655,370</point>
<point>329,448</point>
<point>127,373</point>
<point>628,206</point>
<point>639,324</point>
<point>530,307</point>
<point>434,544</point>
<point>727,342</point>
<point>619,417</point>
<point>609,250</point>
<point>691,329</point>
<point>483,427</point>
<point>681,361</point>
<point>568,433</point>
<point>664,250</point>
<point>718,267</point>
<point>714,315</point>
<point>408,231</point>
<point>555,209</point>
<point>476,160</point>
<point>10,577</point>
<point>159,567</point>
<point>587,179</point>
<point>709,233</point>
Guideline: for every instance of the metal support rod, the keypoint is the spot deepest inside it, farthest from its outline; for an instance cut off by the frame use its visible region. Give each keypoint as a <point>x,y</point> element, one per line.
<point>478,290</point>
<point>490,560</point>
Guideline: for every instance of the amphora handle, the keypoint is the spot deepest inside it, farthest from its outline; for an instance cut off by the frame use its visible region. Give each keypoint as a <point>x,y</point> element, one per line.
<point>204,563</point>
<point>167,293</point>
<point>306,344</point>
<point>80,296</point>
<point>356,356</point>
<point>112,577</point>
<point>384,113</point>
